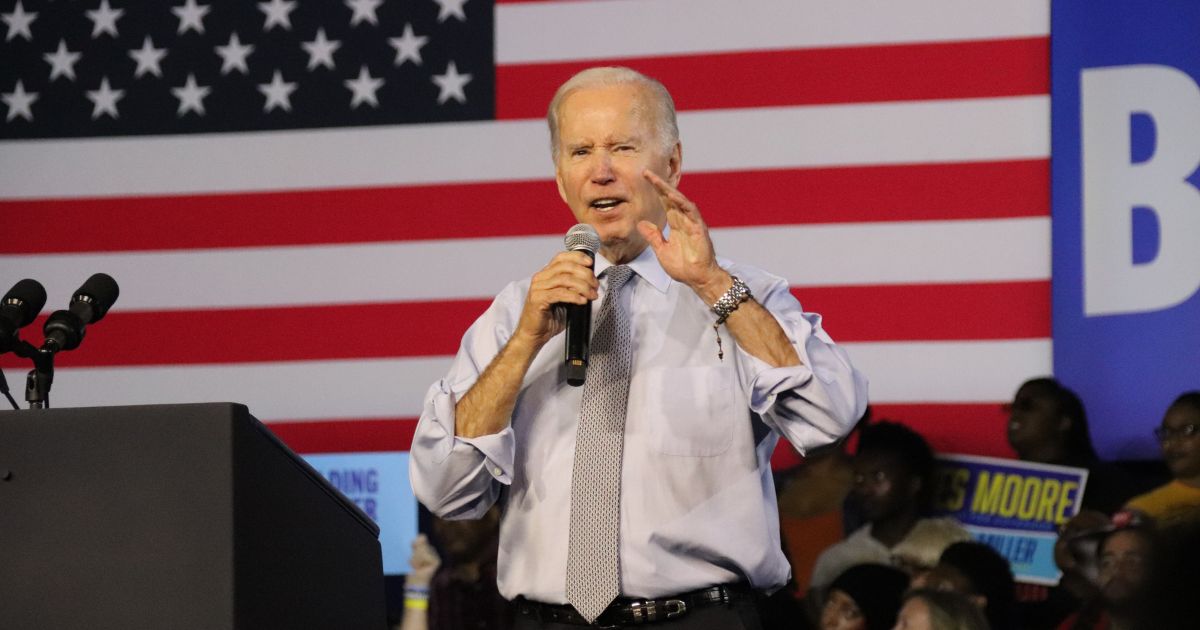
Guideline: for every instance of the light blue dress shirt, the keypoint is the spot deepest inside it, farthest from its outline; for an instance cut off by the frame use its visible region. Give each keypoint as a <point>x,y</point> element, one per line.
<point>697,498</point>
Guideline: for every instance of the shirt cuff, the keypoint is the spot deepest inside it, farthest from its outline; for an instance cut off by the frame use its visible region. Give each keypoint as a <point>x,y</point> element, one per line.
<point>769,382</point>
<point>496,450</point>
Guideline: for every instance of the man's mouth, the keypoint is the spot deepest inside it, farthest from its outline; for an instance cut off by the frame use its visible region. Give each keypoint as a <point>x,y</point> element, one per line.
<point>605,204</point>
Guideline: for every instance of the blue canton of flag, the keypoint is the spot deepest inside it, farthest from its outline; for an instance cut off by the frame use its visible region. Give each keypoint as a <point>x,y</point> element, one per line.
<point>123,67</point>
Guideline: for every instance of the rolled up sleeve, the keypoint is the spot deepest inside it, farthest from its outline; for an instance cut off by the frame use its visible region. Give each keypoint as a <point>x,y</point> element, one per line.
<point>812,404</point>
<point>460,478</point>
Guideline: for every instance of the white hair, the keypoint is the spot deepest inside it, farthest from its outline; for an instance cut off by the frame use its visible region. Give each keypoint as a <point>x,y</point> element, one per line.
<point>661,104</point>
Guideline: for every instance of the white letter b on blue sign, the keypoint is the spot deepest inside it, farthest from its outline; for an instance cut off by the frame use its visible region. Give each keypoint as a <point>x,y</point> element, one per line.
<point>1113,185</point>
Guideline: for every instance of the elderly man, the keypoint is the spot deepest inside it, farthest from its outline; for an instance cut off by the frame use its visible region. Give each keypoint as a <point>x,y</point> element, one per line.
<point>646,494</point>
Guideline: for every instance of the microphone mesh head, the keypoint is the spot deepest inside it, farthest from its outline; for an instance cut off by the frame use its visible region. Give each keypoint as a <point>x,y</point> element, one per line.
<point>30,295</point>
<point>582,237</point>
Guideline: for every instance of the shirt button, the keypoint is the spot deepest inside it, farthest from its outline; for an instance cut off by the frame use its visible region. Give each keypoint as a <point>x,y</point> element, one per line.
<point>497,471</point>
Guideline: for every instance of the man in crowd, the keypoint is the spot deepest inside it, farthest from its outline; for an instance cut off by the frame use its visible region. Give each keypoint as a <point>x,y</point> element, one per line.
<point>893,477</point>
<point>977,571</point>
<point>646,493</point>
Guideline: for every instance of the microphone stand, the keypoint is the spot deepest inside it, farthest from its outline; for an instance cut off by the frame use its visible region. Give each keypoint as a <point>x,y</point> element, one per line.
<point>39,379</point>
<point>4,390</point>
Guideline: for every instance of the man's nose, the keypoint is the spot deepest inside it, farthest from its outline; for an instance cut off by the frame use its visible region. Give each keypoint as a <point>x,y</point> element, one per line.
<point>602,168</point>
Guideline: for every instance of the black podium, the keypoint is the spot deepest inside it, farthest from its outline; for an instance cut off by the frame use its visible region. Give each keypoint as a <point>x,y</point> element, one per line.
<point>175,516</point>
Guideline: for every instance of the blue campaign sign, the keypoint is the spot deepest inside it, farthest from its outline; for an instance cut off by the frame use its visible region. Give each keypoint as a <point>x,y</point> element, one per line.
<point>1126,211</point>
<point>1014,506</point>
<point>378,484</point>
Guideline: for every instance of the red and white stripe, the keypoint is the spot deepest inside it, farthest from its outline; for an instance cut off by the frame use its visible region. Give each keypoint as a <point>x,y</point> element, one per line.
<point>890,159</point>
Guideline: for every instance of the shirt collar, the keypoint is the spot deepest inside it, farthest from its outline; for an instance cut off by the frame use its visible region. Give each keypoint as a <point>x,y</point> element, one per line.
<point>645,265</point>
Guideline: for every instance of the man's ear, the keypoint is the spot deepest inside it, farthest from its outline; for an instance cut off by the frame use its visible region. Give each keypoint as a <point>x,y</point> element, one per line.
<point>562,190</point>
<point>675,165</point>
<point>980,601</point>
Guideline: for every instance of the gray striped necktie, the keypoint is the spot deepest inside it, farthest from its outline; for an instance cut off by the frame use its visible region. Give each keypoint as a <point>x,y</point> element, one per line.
<point>593,569</point>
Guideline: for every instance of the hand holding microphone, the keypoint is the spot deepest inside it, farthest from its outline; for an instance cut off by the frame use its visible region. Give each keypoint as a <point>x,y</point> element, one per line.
<point>567,279</point>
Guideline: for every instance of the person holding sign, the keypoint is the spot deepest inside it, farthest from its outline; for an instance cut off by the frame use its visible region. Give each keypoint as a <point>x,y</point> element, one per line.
<point>1047,424</point>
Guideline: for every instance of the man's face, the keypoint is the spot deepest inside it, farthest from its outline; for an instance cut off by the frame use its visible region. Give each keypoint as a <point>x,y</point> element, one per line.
<point>606,140</point>
<point>1181,449</point>
<point>883,485</point>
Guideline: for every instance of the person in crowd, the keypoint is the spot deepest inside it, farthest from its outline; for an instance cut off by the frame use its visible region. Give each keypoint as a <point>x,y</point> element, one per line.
<point>1170,600</point>
<point>864,597</point>
<point>977,571</point>
<point>1047,424</point>
<point>926,609</point>
<point>646,493</point>
<point>424,563</point>
<point>893,470</point>
<point>813,509</point>
<point>1179,435</point>
<point>456,589</point>
<point>1123,553</point>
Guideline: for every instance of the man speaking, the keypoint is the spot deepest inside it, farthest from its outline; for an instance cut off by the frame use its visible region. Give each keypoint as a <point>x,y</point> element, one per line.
<point>645,494</point>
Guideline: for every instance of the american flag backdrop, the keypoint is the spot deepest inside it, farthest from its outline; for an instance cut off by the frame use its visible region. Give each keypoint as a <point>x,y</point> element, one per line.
<point>306,202</point>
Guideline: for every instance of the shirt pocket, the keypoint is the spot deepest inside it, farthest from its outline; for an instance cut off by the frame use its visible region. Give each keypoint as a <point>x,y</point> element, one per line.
<point>693,410</point>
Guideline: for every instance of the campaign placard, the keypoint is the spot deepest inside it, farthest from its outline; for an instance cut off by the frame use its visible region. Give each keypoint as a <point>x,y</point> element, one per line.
<point>378,484</point>
<point>1014,506</point>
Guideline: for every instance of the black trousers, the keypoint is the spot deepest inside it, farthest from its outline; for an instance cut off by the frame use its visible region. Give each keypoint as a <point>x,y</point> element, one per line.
<point>741,614</point>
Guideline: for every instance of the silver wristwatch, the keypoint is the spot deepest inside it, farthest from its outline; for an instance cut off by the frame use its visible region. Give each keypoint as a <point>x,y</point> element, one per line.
<point>732,299</point>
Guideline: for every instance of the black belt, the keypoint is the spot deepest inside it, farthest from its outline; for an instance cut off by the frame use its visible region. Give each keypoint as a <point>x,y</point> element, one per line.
<point>632,612</point>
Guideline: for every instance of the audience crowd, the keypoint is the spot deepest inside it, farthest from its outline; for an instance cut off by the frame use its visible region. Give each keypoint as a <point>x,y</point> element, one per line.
<point>868,552</point>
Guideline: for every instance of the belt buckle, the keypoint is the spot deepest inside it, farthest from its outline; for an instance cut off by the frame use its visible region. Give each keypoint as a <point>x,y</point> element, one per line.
<point>644,611</point>
<point>675,608</point>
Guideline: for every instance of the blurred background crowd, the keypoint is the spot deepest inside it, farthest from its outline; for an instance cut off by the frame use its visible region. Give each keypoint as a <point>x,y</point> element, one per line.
<point>868,551</point>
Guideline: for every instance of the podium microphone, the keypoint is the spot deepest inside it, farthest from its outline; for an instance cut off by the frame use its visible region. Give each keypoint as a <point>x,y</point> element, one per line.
<point>581,238</point>
<point>18,309</point>
<point>64,330</point>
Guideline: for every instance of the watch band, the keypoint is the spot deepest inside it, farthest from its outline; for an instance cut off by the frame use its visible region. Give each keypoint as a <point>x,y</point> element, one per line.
<point>731,300</point>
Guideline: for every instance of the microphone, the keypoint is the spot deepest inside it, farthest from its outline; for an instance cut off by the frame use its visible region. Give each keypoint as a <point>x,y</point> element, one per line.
<point>64,330</point>
<point>18,309</point>
<point>580,238</point>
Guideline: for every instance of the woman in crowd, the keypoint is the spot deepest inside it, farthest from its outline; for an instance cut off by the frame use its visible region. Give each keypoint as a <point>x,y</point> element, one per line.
<point>1179,434</point>
<point>1047,424</point>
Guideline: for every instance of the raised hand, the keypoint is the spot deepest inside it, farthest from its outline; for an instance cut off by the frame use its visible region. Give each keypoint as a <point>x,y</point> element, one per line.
<point>687,255</point>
